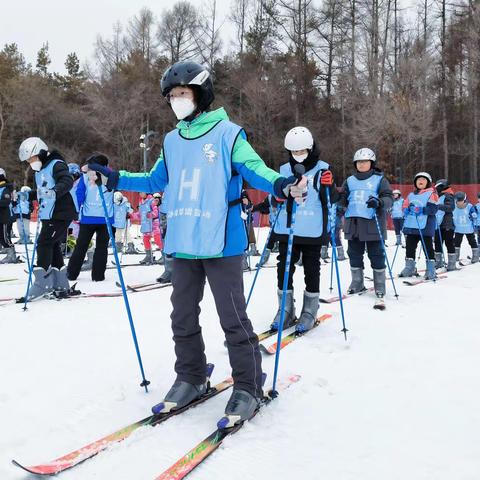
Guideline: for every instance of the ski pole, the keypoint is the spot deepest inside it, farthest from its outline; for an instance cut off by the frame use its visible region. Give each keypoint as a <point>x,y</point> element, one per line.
<point>263,254</point>
<point>334,259</point>
<point>332,228</point>
<point>424,245</point>
<point>299,170</point>
<point>249,225</point>
<point>385,253</point>
<point>30,269</point>
<point>145,382</point>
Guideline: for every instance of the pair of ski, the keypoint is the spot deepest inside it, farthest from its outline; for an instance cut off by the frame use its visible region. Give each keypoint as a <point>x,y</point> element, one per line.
<point>144,286</point>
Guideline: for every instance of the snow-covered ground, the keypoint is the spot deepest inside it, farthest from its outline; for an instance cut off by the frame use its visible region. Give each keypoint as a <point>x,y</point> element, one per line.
<point>398,400</point>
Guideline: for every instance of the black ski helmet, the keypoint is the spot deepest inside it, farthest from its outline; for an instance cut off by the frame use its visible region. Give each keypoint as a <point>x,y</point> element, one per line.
<point>460,196</point>
<point>190,74</point>
<point>442,185</point>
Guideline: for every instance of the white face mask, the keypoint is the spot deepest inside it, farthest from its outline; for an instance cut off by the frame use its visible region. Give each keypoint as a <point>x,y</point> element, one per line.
<point>182,107</point>
<point>300,158</point>
<point>36,165</point>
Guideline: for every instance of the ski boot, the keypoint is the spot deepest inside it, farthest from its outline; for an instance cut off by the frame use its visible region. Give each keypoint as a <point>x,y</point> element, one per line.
<point>300,261</point>
<point>289,318</point>
<point>276,248</point>
<point>324,253</point>
<point>42,285</point>
<point>399,240</point>
<point>379,286</point>
<point>180,394</point>
<point>166,276</point>
<point>88,263</point>
<point>475,255</point>
<point>11,257</point>
<point>309,312</point>
<point>341,254</point>
<point>241,406</point>
<point>61,287</point>
<point>245,265</point>
<point>410,269</point>
<point>119,246</point>
<point>430,273</point>
<point>265,258</point>
<point>452,262</point>
<point>357,285</point>
<point>148,260</point>
<point>252,251</point>
<point>131,250</point>
<point>439,263</point>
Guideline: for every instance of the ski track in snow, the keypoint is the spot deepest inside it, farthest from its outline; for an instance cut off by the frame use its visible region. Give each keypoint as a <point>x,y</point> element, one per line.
<point>398,400</point>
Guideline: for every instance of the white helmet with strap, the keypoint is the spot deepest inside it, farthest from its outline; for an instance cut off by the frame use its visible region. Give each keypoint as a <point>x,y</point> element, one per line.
<point>30,147</point>
<point>298,138</point>
<point>364,154</point>
<point>396,191</point>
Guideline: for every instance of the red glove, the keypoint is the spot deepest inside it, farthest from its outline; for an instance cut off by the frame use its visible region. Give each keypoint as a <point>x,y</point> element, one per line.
<point>326,178</point>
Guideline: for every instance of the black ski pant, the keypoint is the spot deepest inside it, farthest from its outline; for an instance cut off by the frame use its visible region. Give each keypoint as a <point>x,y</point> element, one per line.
<point>398,225</point>
<point>100,255</point>
<point>5,235</point>
<point>311,265</point>
<point>447,239</point>
<point>356,252</point>
<point>412,242</point>
<point>470,238</point>
<point>225,277</point>
<point>49,243</point>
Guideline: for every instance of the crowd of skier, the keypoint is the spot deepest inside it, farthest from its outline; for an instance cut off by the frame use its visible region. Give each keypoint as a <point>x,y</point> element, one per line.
<point>195,210</point>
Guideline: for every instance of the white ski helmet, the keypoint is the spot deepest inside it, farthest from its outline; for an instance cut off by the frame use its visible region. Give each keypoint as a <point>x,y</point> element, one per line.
<point>397,192</point>
<point>2,172</point>
<point>298,138</point>
<point>118,197</point>
<point>25,188</point>
<point>364,154</point>
<point>30,147</point>
<point>424,175</point>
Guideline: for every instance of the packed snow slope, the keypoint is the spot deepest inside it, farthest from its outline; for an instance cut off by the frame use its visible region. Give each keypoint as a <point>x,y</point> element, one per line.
<point>398,400</point>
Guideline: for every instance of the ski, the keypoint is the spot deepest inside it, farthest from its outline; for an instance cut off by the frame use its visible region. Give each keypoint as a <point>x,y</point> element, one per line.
<point>412,283</point>
<point>142,287</point>
<point>88,451</point>
<point>288,339</point>
<point>8,279</point>
<point>268,333</point>
<point>208,445</point>
<point>345,295</point>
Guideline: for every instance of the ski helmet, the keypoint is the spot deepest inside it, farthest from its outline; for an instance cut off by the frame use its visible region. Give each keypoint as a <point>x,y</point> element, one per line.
<point>157,195</point>
<point>74,169</point>
<point>2,172</point>
<point>26,188</point>
<point>424,175</point>
<point>364,154</point>
<point>31,147</point>
<point>118,197</point>
<point>189,74</point>
<point>398,192</point>
<point>99,158</point>
<point>460,197</point>
<point>442,185</point>
<point>298,138</point>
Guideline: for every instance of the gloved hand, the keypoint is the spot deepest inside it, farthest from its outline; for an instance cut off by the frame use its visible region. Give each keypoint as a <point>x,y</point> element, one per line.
<point>326,178</point>
<point>415,209</point>
<point>374,202</point>
<point>108,177</point>
<point>297,190</point>
<point>47,193</point>
<point>473,214</point>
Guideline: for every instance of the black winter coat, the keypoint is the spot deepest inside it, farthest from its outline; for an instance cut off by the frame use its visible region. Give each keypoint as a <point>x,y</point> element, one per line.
<point>5,201</point>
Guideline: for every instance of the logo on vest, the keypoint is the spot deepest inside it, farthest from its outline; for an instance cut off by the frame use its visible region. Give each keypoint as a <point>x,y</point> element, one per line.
<point>209,153</point>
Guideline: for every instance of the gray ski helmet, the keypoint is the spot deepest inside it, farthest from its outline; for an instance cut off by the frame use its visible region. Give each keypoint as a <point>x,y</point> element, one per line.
<point>189,74</point>
<point>441,185</point>
<point>460,197</point>
<point>73,168</point>
<point>424,175</point>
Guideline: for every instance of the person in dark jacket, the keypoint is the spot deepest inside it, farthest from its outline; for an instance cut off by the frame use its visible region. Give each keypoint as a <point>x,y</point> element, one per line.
<point>6,219</point>
<point>366,193</point>
<point>23,208</point>
<point>56,211</point>
<point>445,230</point>
<point>420,208</point>
<point>92,221</point>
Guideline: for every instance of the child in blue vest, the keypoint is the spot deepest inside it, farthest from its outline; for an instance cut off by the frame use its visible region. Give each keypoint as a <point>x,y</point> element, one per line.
<point>92,222</point>
<point>367,196</point>
<point>6,219</point>
<point>445,230</point>
<point>23,208</point>
<point>202,166</point>
<point>149,225</point>
<point>477,221</point>
<point>121,213</point>
<point>420,208</point>
<point>56,211</point>
<point>464,218</point>
<point>311,225</point>
<point>396,212</point>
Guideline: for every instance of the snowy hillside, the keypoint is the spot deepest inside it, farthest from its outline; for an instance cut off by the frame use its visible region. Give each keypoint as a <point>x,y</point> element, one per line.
<point>398,400</point>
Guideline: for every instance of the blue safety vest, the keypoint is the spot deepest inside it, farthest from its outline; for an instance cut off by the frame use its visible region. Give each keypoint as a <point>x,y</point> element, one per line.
<point>199,173</point>
<point>309,217</point>
<point>92,205</point>
<point>477,220</point>
<point>120,214</point>
<point>397,208</point>
<point>462,220</point>
<point>419,200</point>
<point>73,193</point>
<point>360,191</point>
<point>146,224</point>
<point>440,213</point>
<point>44,180</point>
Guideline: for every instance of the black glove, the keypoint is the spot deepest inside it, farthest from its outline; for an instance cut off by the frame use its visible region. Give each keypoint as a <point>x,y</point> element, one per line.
<point>374,202</point>
<point>110,177</point>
